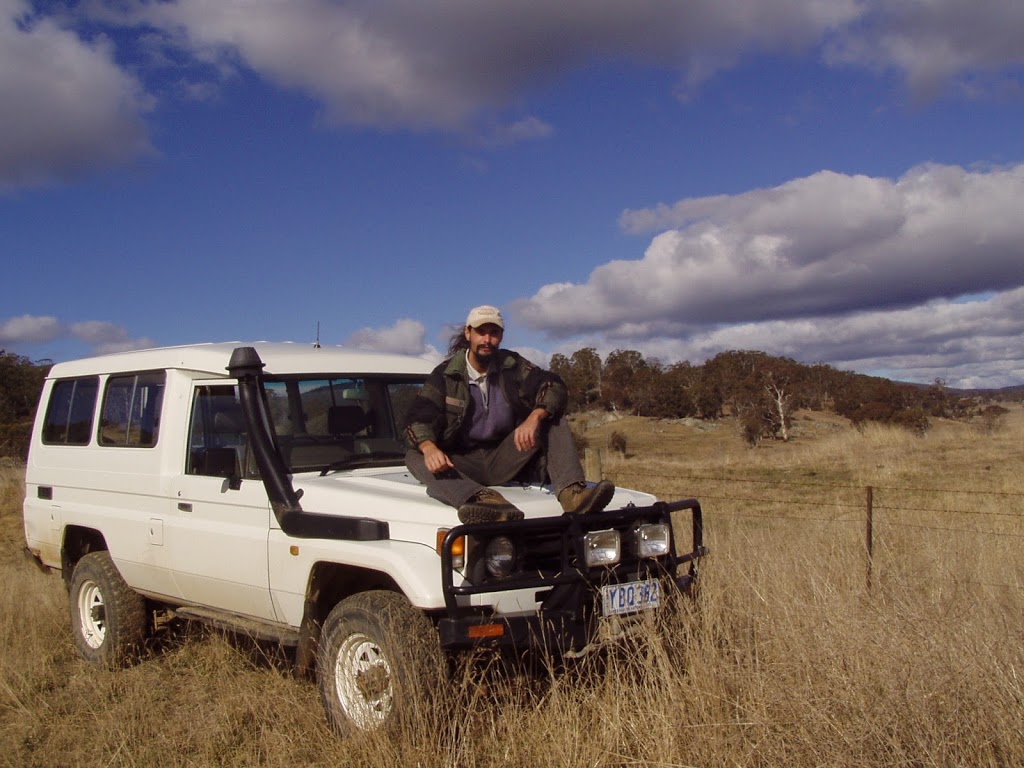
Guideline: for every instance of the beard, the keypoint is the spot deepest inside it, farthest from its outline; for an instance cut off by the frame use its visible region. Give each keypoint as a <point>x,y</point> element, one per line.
<point>484,352</point>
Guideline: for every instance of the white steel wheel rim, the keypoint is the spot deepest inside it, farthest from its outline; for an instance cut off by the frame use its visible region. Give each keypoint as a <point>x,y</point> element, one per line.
<point>92,614</point>
<point>362,680</point>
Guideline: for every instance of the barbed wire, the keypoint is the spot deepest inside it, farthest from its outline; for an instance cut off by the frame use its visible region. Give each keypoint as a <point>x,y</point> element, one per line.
<point>933,510</point>
<point>943,529</point>
<point>787,518</point>
<point>796,502</point>
<point>876,507</point>
<point>847,486</point>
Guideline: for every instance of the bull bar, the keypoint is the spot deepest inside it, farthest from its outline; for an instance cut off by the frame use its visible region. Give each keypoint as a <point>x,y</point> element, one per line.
<point>552,562</point>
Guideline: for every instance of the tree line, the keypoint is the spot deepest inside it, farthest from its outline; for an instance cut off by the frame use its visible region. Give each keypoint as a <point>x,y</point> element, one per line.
<point>760,391</point>
<point>21,381</point>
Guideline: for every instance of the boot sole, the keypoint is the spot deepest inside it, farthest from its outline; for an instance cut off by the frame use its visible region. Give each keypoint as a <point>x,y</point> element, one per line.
<point>470,514</point>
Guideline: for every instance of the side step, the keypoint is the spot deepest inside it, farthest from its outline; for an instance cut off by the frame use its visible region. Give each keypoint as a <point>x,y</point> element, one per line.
<point>254,628</point>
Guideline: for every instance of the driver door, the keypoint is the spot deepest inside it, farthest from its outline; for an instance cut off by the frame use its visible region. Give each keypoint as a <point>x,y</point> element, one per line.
<point>220,523</point>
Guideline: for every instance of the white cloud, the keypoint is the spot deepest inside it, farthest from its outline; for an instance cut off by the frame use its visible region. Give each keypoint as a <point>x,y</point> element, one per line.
<point>405,337</point>
<point>98,336</point>
<point>70,107</point>
<point>103,337</point>
<point>440,64</point>
<point>948,333</point>
<point>67,106</point>
<point>933,43</point>
<point>29,329</point>
<point>826,244</point>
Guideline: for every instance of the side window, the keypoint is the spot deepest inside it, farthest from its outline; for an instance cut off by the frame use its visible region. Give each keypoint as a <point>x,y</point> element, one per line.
<point>218,441</point>
<point>131,410</point>
<point>69,413</point>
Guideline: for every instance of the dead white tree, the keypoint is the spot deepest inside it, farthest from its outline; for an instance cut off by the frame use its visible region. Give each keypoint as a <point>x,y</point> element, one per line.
<point>782,403</point>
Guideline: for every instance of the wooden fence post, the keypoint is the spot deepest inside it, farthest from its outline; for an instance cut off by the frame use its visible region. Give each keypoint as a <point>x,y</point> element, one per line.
<point>869,534</point>
<point>593,468</point>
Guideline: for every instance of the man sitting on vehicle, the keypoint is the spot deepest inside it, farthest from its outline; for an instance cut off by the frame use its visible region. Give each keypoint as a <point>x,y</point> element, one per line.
<point>482,416</point>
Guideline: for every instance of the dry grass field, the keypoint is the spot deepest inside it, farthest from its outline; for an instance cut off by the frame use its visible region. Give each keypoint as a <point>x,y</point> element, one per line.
<point>790,656</point>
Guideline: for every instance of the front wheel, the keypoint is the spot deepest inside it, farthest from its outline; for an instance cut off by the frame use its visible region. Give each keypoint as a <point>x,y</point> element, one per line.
<point>108,617</point>
<point>379,664</point>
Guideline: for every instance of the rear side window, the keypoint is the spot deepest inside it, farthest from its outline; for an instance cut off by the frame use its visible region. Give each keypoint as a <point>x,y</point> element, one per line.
<point>69,413</point>
<point>131,410</point>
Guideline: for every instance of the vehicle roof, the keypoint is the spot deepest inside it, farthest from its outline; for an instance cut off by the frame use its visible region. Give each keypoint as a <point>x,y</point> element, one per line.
<point>280,358</point>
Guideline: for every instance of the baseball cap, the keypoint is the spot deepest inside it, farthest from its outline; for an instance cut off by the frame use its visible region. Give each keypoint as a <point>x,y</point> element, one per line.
<point>483,315</point>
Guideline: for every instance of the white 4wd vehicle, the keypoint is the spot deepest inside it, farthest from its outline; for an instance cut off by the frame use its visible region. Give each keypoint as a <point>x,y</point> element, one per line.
<point>262,488</point>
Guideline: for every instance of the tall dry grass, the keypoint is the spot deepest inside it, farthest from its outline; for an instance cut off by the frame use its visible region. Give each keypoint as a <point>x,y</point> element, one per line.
<point>785,658</point>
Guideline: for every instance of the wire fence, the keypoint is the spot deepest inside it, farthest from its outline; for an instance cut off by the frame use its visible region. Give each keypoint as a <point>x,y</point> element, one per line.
<point>880,514</point>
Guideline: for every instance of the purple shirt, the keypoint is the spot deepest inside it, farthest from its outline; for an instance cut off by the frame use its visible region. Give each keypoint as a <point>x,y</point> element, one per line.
<point>490,423</point>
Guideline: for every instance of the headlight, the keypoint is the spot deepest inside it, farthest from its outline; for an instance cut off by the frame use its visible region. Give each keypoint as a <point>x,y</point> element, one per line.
<point>653,540</point>
<point>602,548</point>
<point>500,557</point>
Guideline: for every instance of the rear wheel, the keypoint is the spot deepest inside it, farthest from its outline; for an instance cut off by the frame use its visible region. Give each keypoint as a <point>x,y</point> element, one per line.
<point>108,618</point>
<point>379,664</point>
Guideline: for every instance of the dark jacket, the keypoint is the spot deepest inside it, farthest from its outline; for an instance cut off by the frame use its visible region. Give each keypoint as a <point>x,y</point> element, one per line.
<point>440,407</point>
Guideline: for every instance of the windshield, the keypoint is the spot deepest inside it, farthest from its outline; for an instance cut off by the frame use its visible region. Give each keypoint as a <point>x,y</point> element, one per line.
<point>339,422</point>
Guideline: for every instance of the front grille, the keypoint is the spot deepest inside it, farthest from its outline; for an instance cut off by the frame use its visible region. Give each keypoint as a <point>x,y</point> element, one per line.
<point>550,552</point>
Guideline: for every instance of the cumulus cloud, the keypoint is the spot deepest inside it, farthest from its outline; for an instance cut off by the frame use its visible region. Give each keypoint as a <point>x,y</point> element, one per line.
<point>29,329</point>
<point>826,244</point>
<point>433,64</point>
<point>934,43</point>
<point>100,337</point>
<point>103,337</point>
<point>938,335</point>
<point>68,108</point>
<point>405,337</point>
<point>438,63</point>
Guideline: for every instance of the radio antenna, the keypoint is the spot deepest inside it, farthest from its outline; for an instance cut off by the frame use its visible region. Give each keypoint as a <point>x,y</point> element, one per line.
<point>316,344</point>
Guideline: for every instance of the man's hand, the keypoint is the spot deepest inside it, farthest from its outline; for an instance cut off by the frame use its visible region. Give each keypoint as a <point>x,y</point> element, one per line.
<point>526,433</point>
<point>437,461</point>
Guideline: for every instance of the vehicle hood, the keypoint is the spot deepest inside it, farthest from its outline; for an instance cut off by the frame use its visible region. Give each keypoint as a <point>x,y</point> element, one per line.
<point>393,494</point>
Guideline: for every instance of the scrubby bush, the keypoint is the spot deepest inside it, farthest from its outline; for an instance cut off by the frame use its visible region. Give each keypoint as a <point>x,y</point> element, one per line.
<point>991,418</point>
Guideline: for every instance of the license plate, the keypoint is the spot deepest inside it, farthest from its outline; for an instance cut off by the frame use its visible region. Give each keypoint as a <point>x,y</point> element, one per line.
<point>630,597</point>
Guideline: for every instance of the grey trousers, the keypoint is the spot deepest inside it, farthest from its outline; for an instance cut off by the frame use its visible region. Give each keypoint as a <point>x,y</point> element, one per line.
<point>481,467</point>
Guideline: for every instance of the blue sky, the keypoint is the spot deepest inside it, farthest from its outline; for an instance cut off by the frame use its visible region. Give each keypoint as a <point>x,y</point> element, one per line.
<point>837,182</point>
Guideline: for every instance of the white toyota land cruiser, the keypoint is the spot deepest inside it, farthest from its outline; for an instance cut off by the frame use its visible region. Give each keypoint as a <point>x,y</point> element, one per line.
<point>262,488</point>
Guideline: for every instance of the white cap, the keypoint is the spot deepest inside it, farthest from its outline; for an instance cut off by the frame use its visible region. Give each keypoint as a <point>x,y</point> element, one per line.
<point>485,315</point>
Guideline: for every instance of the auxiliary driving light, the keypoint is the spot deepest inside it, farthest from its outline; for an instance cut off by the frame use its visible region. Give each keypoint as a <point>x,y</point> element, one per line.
<point>602,548</point>
<point>500,556</point>
<point>652,540</point>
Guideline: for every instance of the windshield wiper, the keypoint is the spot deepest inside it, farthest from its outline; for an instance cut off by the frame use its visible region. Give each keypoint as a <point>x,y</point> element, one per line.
<point>358,459</point>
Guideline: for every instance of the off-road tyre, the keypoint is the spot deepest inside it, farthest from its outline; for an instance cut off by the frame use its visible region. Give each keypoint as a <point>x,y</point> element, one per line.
<point>379,664</point>
<point>109,620</point>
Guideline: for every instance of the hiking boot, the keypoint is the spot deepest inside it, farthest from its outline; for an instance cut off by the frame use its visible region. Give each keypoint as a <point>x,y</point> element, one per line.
<point>487,506</point>
<point>579,499</point>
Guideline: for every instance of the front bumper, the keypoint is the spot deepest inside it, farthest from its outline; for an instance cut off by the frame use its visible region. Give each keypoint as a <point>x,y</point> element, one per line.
<point>551,562</point>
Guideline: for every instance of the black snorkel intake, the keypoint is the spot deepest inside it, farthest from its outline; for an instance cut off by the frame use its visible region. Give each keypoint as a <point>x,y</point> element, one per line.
<point>246,366</point>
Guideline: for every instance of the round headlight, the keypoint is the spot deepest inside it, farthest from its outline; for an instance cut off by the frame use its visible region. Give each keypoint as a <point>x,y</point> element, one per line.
<point>500,556</point>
